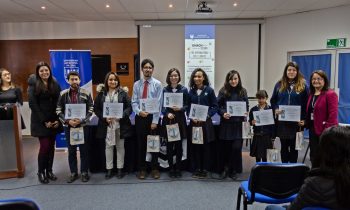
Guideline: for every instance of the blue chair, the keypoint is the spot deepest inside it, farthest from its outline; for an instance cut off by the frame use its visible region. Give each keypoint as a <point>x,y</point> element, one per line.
<point>18,204</point>
<point>272,183</point>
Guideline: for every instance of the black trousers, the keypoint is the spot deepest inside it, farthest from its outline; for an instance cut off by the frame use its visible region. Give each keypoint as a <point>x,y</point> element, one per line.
<point>143,128</point>
<point>72,153</point>
<point>230,155</point>
<point>288,152</point>
<point>174,148</point>
<point>201,156</point>
<point>314,142</point>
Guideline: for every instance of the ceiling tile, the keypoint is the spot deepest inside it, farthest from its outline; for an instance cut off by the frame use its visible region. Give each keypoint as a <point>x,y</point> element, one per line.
<point>252,14</point>
<point>163,5</point>
<point>264,5</point>
<point>223,15</point>
<point>296,5</point>
<point>275,13</point>
<point>227,5</point>
<point>322,4</point>
<point>100,6</point>
<point>144,16</point>
<point>75,7</point>
<point>138,6</point>
<point>171,15</point>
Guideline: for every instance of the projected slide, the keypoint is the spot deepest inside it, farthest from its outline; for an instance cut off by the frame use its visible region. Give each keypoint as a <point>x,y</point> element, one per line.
<point>200,50</point>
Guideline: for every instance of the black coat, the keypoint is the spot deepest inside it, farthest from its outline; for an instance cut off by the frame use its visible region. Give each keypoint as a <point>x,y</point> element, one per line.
<point>43,108</point>
<point>125,124</point>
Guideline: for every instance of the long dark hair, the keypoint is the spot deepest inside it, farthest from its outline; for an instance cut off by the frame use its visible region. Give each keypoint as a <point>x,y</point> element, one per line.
<point>227,88</point>
<point>324,77</point>
<point>299,80</point>
<point>206,82</point>
<point>333,158</point>
<point>106,88</point>
<point>40,87</point>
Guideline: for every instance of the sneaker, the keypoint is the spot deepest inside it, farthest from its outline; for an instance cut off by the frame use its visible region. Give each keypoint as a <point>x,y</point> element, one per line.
<point>155,174</point>
<point>85,177</point>
<point>72,178</point>
<point>141,174</point>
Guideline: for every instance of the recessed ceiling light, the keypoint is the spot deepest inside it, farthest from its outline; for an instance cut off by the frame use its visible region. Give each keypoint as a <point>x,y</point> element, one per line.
<point>43,7</point>
<point>235,4</point>
<point>108,6</point>
<point>171,5</point>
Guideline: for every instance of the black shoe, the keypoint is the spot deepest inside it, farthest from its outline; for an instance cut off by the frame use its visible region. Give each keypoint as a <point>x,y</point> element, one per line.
<point>72,178</point>
<point>223,175</point>
<point>172,173</point>
<point>108,174</point>
<point>196,174</point>
<point>178,173</point>
<point>51,176</point>
<point>85,177</point>
<point>233,176</point>
<point>120,173</point>
<point>42,178</point>
<point>203,174</point>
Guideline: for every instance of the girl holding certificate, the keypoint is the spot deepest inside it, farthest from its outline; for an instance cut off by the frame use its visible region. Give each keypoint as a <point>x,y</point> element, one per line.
<point>175,115</point>
<point>43,93</point>
<point>262,134</point>
<point>112,129</point>
<point>202,94</point>
<point>322,109</point>
<point>291,89</point>
<point>230,135</point>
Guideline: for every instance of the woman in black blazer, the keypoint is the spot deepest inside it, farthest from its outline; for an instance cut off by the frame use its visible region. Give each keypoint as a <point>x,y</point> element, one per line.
<point>43,93</point>
<point>112,92</point>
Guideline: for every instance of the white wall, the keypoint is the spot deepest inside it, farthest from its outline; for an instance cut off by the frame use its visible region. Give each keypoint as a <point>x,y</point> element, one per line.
<point>68,30</point>
<point>304,31</point>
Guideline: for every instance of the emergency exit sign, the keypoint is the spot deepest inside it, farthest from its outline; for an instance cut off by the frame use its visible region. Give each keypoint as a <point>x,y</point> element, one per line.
<point>335,43</point>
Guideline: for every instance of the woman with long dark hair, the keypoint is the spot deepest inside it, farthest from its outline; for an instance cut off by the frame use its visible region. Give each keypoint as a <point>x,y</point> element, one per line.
<point>113,93</point>
<point>291,89</point>
<point>328,183</point>
<point>43,93</point>
<point>201,93</point>
<point>230,135</point>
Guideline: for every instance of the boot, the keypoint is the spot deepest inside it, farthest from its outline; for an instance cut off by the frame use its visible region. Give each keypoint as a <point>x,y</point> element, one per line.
<point>42,178</point>
<point>108,174</point>
<point>51,175</point>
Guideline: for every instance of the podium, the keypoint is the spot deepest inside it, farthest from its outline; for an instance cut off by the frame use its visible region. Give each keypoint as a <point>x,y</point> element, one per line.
<point>11,154</point>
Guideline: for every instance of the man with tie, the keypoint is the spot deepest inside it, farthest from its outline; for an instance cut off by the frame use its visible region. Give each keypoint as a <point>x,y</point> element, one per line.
<point>146,123</point>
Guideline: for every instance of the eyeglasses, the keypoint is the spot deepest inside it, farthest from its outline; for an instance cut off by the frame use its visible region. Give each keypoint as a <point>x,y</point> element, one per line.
<point>317,79</point>
<point>148,67</point>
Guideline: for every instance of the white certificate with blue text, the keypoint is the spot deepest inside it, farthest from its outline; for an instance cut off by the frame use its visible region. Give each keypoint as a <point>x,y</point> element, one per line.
<point>289,113</point>
<point>75,111</point>
<point>199,112</point>
<point>112,110</point>
<point>173,100</point>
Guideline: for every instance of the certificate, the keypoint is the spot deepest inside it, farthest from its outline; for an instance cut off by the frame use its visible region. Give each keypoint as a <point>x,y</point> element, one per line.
<point>150,105</point>
<point>236,108</point>
<point>264,117</point>
<point>74,111</point>
<point>198,112</point>
<point>289,113</point>
<point>173,100</point>
<point>112,110</point>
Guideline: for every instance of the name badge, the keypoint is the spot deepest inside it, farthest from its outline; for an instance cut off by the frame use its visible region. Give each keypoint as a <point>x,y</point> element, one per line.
<point>312,116</point>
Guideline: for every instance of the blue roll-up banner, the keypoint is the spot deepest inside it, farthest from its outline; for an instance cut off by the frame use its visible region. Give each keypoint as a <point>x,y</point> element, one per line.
<point>65,61</point>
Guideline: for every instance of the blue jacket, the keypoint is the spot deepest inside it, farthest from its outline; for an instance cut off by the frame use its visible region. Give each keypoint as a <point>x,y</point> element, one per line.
<point>206,98</point>
<point>290,97</point>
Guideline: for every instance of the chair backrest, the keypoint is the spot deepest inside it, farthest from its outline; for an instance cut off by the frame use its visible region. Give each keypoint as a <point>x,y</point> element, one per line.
<point>18,204</point>
<point>278,181</point>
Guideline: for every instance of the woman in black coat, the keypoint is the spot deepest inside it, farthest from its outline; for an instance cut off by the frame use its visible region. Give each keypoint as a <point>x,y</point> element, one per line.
<point>43,93</point>
<point>175,115</point>
<point>113,93</point>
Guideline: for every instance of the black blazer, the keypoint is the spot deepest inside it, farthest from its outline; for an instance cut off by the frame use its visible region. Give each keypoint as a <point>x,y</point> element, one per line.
<point>125,124</point>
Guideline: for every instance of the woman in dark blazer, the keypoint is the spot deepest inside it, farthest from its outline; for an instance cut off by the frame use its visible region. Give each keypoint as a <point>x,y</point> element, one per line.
<point>322,109</point>
<point>112,92</point>
<point>174,115</point>
<point>201,93</point>
<point>291,89</point>
<point>43,93</point>
<point>231,126</point>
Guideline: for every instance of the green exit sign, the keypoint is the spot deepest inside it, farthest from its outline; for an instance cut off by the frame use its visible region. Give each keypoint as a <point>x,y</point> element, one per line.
<point>335,43</point>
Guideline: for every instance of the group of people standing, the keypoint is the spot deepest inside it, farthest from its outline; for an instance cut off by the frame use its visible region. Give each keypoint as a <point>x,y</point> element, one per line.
<point>318,104</point>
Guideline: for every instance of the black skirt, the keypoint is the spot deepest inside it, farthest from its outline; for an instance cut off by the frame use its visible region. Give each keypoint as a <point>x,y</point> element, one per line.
<point>230,131</point>
<point>259,145</point>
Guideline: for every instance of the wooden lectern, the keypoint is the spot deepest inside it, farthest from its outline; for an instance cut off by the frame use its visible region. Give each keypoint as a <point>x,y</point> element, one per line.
<point>11,154</point>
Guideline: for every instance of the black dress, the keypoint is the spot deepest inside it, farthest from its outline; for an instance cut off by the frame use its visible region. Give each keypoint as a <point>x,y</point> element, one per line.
<point>10,96</point>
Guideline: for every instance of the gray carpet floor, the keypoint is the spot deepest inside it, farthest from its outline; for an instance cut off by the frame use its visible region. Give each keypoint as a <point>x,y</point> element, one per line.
<point>127,193</point>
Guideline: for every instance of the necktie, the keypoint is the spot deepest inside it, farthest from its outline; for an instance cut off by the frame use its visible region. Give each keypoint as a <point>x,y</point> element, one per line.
<point>145,89</point>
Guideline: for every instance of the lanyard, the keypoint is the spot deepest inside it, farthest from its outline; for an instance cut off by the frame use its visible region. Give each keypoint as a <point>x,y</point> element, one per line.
<point>111,97</point>
<point>313,101</point>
